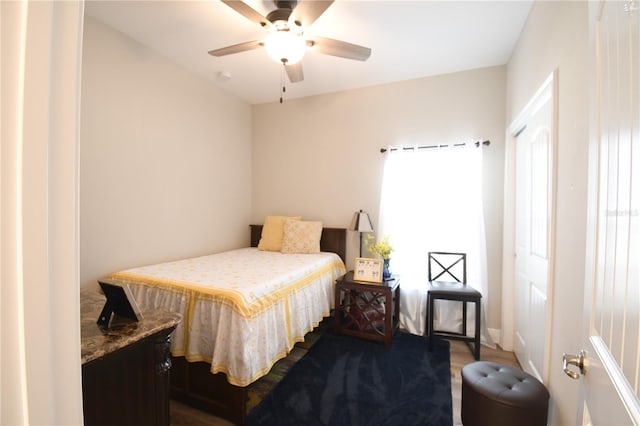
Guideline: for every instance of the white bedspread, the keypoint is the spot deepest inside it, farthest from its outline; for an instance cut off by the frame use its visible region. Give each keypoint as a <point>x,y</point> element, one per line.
<point>243,309</point>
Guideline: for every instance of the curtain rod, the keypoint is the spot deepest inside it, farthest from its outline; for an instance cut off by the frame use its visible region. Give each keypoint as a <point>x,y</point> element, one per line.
<point>411,148</point>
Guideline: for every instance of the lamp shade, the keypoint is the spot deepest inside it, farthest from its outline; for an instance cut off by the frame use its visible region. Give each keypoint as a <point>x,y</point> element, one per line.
<point>361,222</point>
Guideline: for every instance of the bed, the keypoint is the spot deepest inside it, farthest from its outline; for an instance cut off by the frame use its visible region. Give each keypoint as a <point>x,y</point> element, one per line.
<point>243,310</point>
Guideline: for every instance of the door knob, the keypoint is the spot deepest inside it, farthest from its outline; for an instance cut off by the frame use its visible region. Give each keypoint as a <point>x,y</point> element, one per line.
<point>578,361</point>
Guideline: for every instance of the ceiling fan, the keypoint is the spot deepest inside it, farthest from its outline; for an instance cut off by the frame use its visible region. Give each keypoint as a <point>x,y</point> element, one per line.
<point>286,42</point>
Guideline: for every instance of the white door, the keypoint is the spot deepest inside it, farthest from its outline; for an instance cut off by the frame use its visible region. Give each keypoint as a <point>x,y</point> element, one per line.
<point>612,295</point>
<point>533,212</point>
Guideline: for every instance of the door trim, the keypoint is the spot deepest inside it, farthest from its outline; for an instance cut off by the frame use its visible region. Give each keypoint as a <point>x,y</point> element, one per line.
<point>548,90</point>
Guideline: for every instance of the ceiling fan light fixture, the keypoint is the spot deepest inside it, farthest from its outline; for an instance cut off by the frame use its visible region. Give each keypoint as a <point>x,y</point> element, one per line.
<point>286,47</point>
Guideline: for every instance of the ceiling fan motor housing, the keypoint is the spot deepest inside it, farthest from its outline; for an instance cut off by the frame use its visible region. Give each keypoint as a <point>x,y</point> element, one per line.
<point>280,16</point>
<point>286,4</point>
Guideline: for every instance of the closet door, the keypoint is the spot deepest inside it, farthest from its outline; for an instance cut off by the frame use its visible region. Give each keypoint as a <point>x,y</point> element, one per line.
<point>534,233</point>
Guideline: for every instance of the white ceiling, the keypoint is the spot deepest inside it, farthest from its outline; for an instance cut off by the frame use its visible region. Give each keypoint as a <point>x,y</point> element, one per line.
<point>409,39</point>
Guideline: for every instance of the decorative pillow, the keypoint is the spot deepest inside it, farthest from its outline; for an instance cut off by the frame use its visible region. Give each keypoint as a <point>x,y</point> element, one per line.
<point>301,237</point>
<point>272,232</point>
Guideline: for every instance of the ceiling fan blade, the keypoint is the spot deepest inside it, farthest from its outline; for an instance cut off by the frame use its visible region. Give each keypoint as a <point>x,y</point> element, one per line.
<point>294,72</point>
<point>339,48</point>
<point>306,12</point>
<point>248,12</point>
<point>236,48</point>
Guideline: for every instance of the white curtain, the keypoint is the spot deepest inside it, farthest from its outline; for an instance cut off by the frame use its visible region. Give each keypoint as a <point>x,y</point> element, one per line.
<point>432,201</point>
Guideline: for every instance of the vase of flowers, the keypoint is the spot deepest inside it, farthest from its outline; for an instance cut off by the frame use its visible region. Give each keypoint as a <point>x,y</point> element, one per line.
<point>381,248</point>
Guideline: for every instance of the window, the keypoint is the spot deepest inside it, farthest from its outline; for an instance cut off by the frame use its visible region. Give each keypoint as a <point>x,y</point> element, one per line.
<point>432,201</point>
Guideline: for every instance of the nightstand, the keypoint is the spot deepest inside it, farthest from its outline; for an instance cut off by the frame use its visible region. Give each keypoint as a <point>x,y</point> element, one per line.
<point>367,310</point>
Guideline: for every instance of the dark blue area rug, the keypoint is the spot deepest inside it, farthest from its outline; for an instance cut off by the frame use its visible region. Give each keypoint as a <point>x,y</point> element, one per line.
<point>347,381</point>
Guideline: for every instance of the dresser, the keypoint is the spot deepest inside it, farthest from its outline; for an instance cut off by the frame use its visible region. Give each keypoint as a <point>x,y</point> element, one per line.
<point>125,369</point>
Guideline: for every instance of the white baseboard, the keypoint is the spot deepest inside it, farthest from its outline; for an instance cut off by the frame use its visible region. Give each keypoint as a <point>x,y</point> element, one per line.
<point>496,335</point>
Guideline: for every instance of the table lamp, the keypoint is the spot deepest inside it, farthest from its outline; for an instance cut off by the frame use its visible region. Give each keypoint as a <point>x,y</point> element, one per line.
<point>361,223</point>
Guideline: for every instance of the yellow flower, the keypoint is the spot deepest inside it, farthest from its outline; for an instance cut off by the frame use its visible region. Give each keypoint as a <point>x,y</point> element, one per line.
<point>380,248</point>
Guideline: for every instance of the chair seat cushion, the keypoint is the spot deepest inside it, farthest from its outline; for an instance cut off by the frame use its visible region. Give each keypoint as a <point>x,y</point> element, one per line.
<point>452,289</point>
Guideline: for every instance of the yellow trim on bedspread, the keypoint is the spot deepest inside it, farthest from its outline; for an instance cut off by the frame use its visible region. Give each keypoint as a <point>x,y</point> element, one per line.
<point>234,299</point>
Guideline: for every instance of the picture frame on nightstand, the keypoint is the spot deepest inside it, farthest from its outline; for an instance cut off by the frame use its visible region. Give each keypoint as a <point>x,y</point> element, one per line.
<point>120,304</point>
<point>368,270</point>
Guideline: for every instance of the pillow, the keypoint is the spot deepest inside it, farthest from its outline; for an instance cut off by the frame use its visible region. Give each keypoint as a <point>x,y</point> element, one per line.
<point>272,233</point>
<point>301,237</point>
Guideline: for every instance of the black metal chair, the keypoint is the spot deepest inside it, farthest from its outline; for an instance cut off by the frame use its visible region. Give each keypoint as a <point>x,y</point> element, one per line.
<point>453,267</point>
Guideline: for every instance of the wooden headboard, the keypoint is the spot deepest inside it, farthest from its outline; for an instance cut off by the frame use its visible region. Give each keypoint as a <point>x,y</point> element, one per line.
<point>332,239</point>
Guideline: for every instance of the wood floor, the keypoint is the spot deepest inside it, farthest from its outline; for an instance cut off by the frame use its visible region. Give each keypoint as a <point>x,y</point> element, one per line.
<point>182,415</point>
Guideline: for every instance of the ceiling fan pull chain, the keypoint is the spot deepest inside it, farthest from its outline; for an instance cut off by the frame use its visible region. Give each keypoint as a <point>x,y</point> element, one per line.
<point>284,89</point>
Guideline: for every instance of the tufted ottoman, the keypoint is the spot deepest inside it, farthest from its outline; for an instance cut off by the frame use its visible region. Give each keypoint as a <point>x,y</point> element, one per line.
<point>494,394</point>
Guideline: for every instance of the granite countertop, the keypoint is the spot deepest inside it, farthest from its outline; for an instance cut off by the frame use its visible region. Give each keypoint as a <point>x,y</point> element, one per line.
<point>97,342</point>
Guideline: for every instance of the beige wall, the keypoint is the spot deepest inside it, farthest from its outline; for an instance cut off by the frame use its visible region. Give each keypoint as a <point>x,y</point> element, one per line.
<point>556,36</point>
<point>165,166</point>
<point>319,156</point>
